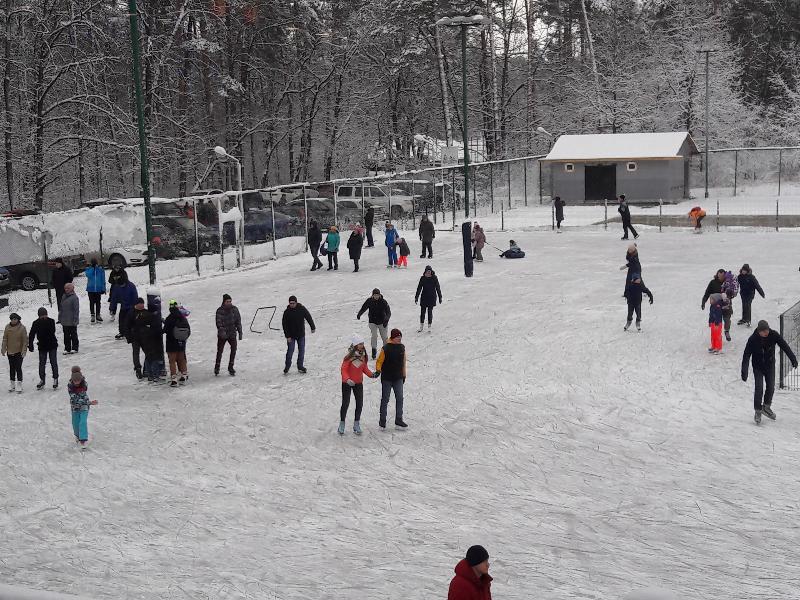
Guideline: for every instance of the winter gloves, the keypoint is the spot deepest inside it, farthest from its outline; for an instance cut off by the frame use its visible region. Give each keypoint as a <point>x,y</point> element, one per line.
<point>376,374</point>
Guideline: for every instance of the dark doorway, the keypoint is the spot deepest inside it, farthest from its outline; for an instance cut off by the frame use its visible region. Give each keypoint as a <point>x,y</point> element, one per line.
<point>601,182</point>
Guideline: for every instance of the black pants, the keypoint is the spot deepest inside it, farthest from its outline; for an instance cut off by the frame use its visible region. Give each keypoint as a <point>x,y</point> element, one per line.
<point>747,305</point>
<point>123,320</point>
<point>94,303</point>
<point>727,313</point>
<point>762,377</point>
<point>333,260</point>
<point>427,246</point>
<point>370,243</point>
<point>221,346</point>
<point>626,225</point>
<point>59,295</point>
<point>315,255</point>
<point>638,309</point>
<point>70,337</point>
<point>355,263</point>
<point>358,393</point>
<point>422,310</point>
<point>136,350</point>
<point>53,356</point>
<point>558,223</point>
<point>15,366</point>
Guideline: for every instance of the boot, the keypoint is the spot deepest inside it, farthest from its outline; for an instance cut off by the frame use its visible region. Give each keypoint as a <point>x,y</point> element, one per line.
<point>420,328</point>
<point>55,383</point>
<point>138,372</point>
<point>341,428</point>
<point>757,417</point>
<point>231,371</point>
<point>173,381</point>
<point>19,387</point>
<point>628,324</point>
<point>357,428</point>
<point>400,423</point>
<point>382,423</point>
<point>766,409</point>
<point>99,319</point>
<point>40,385</point>
<point>12,386</point>
<point>728,336</point>
<point>93,319</point>
<point>183,378</point>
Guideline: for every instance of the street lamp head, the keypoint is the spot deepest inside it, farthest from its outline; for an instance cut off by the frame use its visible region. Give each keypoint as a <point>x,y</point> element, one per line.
<point>220,152</point>
<point>478,19</point>
<point>541,129</point>
<point>444,21</point>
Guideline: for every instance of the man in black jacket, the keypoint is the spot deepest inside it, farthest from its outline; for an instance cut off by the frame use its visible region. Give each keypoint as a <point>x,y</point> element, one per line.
<point>45,329</point>
<point>715,287</point>
<point>62,275</point>
<point>625,214</point>
<point>391,364</point>
<point>294,328</point>
<point>379,315</point>
<point>369,221</point>
<point>138,330</point>
<point>427,232</point>
<point>314,242</point>
<point>760,349</point>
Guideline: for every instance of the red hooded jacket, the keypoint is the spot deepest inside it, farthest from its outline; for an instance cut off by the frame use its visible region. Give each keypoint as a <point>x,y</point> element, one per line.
<point>468,586</point>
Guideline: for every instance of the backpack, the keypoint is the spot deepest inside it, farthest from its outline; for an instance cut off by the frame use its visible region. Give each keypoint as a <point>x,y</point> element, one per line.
<point>730,286</point>
<point>181,331</point>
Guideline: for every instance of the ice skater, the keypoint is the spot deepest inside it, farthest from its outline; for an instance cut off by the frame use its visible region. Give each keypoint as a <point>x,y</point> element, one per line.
<point>558,208</point>
<point>314,242</point>
<point>378,314</point>
<point>15,346</point>
<point>427,291</point>
<point>69,316</point>
<point>760,349</point>
<point>697,215</point>
<point>748,286</point>
<point>390,235</point>
<point>79,403</point>
<point>332,241</point>
<point>633,294</point>
<point>354,367</point>
<point>391,365</point>
<point>632,264</point>
<point>354,244</point>
<point>44,328</point>
<point>472,580</point>
<point>717,305</point>
<point>95,288</point>
<point>715,286</point>
<point>404,251</point>
<point>229,329</point>
<point>625,213</point>
<point>427,233</point>
<point>294,328</point>
<point>177,332</point>
<point>478,242</point>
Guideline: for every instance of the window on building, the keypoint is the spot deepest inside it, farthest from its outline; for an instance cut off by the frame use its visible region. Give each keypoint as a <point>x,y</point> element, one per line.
<point>569,167</point>
<point>631,166</point>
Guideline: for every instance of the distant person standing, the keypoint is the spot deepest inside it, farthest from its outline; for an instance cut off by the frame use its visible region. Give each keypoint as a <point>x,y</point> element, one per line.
<point>478,242</point>
<point>696,215</point>
<point>354,244</point>
<point>69,317</point>
<point>427,291</point>
<point>369,222</point>
<point>123,296</point>
<point>748,286</point>
<point>115,278</point>
<point>558,207</point>
<point>427,233</point>
<point>391,365</point>
<point>717,305</point>
<point>391,241</point>
<point>79,405</point>
<point>404,251</point>
<point>332,241</point>
<point>625,213</point>
<point>379,314</point>
<point>760,349</point>
<point>95,287</point>
<point>229,326</point>
<point>314,242</point>
<point>15,346</point>
<point>472,580</point>
<point>633,294</point>
<point>294,328</point>
<point>177,331</point>
<point>62,275</point>
<point>44,328</point>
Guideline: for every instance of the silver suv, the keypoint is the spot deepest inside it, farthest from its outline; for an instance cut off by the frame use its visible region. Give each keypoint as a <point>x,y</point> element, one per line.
<point>387,200</point>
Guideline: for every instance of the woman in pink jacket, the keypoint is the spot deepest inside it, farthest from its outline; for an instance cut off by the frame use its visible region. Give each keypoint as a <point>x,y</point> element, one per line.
<point>354,367</point>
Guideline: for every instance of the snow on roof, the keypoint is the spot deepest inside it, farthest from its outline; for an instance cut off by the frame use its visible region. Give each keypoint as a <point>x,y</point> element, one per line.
<point>622,146</point>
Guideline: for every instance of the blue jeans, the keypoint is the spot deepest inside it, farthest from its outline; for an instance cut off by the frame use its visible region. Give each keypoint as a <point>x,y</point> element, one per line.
<point>392,255</point>
<point>387,387</point>
<point>301,351</point>
<point>153,367</point>
<point>53,356</point>
<point>80,424</point>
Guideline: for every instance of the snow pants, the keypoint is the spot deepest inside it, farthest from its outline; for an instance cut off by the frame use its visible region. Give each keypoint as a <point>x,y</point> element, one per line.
<point>358,394</point>
<point>402,261</point>
<point>638,309</point>
<point>15,366</point>
<point>374,330</point>
<point>53,356</point>
<point>392,252</point>
<point>386,391</point>
<point>80,424</point>
<point>761,379</point>
<point>716,336</point>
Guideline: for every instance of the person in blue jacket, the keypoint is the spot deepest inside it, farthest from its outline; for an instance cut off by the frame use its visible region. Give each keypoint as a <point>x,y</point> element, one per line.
<point>391,241</point>
<point>124,295</point>
<point>95,287</point>
<point>332,241</point>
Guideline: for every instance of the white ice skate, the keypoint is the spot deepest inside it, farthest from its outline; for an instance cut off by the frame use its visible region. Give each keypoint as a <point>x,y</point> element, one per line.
<point>420,328</point>
<point>357,428</point>
<point>19,387</point>
<point>12,387</point>
<point>341,428</point>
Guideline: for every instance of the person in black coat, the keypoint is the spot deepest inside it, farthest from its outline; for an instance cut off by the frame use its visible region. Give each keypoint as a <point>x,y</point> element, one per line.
<point>625,213</point>
<point>558,205</point>
<point>427,291</point>
<point>748,286</point>
<point>62,275</point>
<point>294,328</point>
<point>632,264</point>
<point>369,221</point>
<point>176,348</point>
<point>760,349</point>
<point>44,328</point>
<point>354,244</point>
<point>314,242</point>
<point>379,315</point>
<point>633,294</point>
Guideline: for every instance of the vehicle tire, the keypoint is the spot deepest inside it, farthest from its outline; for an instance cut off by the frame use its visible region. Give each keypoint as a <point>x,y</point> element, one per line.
<point>117,259</point>
<point>29,282</point>
<point>397,212</point>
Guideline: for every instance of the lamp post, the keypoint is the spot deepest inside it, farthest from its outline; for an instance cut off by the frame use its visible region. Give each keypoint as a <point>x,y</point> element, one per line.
<point>706,51</point>
<point>222,154</point>
<point>463,22</point>
<point>544,131</point>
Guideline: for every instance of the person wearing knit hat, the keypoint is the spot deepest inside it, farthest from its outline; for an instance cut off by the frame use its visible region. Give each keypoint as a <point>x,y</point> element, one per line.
<point>229,327</point>
<point>748,286</point>
<point>44,329</point>
<point>294,319</point>
<point>15,346</point>
<point>79,403</point>
<point>332,242</point>
<point>69,317</point>
<point>760,349</point>
<point>354,367</point>
<point>633,294</point>
<point>472,580</point>
<point>625,214</point>
<point>391,365</point>
<point>379,314</point>
<point>427,291</point>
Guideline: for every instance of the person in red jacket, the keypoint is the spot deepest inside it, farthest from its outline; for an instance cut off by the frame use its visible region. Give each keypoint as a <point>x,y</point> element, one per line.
<point>354,367</point>
<point>472,580</point>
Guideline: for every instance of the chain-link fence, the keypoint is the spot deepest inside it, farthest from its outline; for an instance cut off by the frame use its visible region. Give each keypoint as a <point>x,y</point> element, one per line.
<point>789,378</point>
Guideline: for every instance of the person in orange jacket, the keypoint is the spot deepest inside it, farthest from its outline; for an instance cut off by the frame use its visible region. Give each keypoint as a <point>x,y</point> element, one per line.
<point>697,215</point>
<point>354,367</point>
<point>472,580</point>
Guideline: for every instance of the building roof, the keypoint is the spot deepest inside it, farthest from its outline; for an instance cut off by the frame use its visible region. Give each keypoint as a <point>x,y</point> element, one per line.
<point>620,146</point>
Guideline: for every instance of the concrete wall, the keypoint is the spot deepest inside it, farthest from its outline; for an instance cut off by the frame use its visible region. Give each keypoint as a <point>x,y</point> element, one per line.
<point>570,186</point>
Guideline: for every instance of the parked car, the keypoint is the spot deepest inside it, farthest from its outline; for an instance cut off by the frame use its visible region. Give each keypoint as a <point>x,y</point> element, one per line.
<point>33,275</point>
<point>379,198</point>
<point>428,195</point>
<point>181,234</point>
<point>124,256</point>
<point>5,281</point>
<point>320,209</point>
<point>258,225</point>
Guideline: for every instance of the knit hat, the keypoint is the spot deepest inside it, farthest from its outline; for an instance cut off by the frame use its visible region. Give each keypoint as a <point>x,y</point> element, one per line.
<point>512,243</point>
<point>226,297</point>
<point>376,291</point>
<point>745,267</point>
<point>762,326</point>
<point>42,312</point>
<point>14,317</point>
<point>76,373</point>
<point>292,298</point>
<point>139,301</point>
<point>356,340</point>
<point>429,268</point>
<point>632,248</point>
<point>395,333</point>
<point>476,555</point>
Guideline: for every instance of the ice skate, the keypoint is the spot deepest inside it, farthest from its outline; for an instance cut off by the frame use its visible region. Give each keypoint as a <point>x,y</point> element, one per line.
<point>84,445</point>
<point>374,353</point>
<point>400,423</point>
<point>173,382</point>
<point>357,428</point>
<point>420,328</point>
<point>766,409</point>
<point>727,336</point>
<point>19,387</point>
<point>93,319</point>
<point>183,379</point>
<point>99,319</point>
<point>740,322</point>
<point>55,383</point>
<point>429,327</point>
<point>40,385</point>
<point>757,417</point>
<point>382,423</point>
<point>628,324</point>
<point>12,387</point>
<point>639,327</point>
<point>302,370</point>
<point>341,428</point>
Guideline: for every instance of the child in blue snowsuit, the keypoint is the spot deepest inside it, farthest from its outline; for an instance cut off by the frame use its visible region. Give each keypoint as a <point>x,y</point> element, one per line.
<point>79,402</point>
<point>391,241</point>
<point>633,294</point>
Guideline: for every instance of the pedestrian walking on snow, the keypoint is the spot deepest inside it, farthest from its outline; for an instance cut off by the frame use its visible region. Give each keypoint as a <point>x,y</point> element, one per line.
<point>379,313</point>
<point>69,316</point>
<point>428,291</point>
<point>15,346</point>
<point>229,329</point>
<point>294,328</point>
<point>332,241</point>
<point>95,287</point>
<point>715,286</point>
<point>177,331</point>
<point>427,233</point>
<point>478,242</point>
<point>44,329</point>
<point>558,208</point>
<point>354,367</point>
<point>404,252</point>
<point>472,580</point>
<point>123,297</point>
<point>390,234</point>
<point>391,365</point>
<point>354,244</point>
<point>62,275</point>
<point>748,286</point>
<point>760,349</point>
<point>717,305</point>
<point>79,402</point>
<point>633,294</point>
<point>369,222</point>
<point>314,242</point>
<point>625,213</point>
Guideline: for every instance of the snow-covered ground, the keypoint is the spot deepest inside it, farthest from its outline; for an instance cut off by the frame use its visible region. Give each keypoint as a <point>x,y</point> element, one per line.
<point>589,461</point>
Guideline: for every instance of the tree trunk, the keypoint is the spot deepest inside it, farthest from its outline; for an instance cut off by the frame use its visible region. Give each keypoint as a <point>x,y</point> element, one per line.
<point>448,121</point>
<point>530,88</point>
<point>9,119</point>
<point>493,74</point>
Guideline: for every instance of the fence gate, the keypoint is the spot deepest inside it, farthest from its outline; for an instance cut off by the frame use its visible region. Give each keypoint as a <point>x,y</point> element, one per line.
<point>790,330</point>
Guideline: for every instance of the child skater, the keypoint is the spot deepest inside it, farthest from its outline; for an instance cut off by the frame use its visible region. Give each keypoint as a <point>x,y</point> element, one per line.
<point>633,294</point>
<point>717,304</point>
<point>404,253</point>
<point>354,367</point>
<point>79,401</point>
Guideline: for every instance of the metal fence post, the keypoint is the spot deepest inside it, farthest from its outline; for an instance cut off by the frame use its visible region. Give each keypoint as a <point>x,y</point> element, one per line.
<point>660,207</point>
<point>502,218</point>
<point>196,240</point>
<point>305,213</point>
<point>414,205</point>
<point>605,218</point>
<point>525,180</point>
<point>780,169</point>
<point>552,216</point>
<point>508,179</point>
<point>717,214</point>
<point>49,273</point>
<point>475,192</point>
<point>777,213</point>
<point>454,198</point>
<point>780,355</point>
<point>491,184</point>
<point>389,216</point>
<point>335,211</point>
<point>274,233</point>
<point>541,192</point>
<point>221,235</point>
<point>735,170</point>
